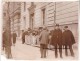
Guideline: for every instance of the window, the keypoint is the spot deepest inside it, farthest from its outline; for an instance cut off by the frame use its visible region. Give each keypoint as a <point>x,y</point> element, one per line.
<point>43,15</point>
<point>24,22</point>
<point>24,6</point>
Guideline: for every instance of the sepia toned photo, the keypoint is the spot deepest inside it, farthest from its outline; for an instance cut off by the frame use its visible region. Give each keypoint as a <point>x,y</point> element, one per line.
<point>40,30</point>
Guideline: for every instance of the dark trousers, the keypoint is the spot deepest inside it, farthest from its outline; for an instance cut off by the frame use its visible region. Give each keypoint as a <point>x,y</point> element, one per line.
<point>23,41</point>
<point>56,50</point>
<point>14,41</point>
<point>43,48</point>
<point>8,52</point>
<point>70,48</point>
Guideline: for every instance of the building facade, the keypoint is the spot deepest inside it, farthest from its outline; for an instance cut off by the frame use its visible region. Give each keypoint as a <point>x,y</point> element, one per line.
<point>14,14</point>
<point>24,15</point>
<point>38,14</point>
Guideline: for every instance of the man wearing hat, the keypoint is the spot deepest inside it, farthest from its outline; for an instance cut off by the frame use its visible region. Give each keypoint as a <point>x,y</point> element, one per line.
<point>44,36</point>
<point>68,40</point>
<point>14,38</point>
<point>23,37</point>
<point>7,43</point>
<point>56,40</point>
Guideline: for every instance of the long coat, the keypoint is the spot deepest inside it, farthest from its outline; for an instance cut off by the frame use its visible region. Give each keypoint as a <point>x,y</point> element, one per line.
<point>56,37</point>
<point>68,37</point>
<point>44,37</point>
<point>14,37</point>
<point>6,42</point>
<point>23,36</point>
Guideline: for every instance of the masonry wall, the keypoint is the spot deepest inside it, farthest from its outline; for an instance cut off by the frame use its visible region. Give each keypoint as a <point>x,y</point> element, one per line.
<point>14,12</point>
<point>24,24</point>
<point>66,14</point>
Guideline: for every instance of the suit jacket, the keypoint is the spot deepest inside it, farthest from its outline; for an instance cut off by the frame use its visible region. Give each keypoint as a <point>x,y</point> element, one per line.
<point>44,37</point>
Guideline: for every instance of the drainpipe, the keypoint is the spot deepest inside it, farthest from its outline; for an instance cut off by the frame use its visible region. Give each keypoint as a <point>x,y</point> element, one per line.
<point>55,14</point>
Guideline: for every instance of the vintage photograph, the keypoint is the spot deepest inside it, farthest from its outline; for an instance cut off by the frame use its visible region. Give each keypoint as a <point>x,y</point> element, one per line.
<point>40,30</point>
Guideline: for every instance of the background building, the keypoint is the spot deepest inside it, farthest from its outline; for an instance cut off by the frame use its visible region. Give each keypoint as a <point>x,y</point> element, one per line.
<point>26,15</point>
<point>37,14</point>
<point>14,13</point>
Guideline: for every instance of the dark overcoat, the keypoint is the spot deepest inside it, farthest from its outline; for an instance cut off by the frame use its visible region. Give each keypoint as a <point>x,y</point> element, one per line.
<point>68,37</point>
<point>56,37</point>
<point>14,37</point>
<point>23,36</point>
<point>6,39</point>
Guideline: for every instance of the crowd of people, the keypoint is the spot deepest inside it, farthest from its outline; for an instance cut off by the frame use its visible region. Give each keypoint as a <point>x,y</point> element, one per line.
<point>43,38</point>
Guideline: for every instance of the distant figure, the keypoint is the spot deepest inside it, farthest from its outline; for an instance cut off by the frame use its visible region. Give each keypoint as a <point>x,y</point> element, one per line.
<point>26,37</point>
<point>14,38</point>
<point>7,43</point>
<point>50,35</point>
<point>33,38</point>
<point>44,36</point>
<point>3,40</point>
<point>68,40</point>
<point>23,37</point>
<point>56,40</point>
<point>37,38</point>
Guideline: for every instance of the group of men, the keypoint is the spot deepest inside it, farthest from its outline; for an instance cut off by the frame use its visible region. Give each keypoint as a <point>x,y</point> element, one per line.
<point>58,39</point>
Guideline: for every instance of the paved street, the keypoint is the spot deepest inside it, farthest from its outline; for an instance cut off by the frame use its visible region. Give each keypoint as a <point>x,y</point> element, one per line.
<point>24,51</point>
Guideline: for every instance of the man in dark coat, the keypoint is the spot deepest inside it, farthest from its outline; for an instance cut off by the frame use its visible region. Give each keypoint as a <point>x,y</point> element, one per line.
<point>3,41</point>
<point>68,40</point>
<point>44,36</point>
<point>56,40</point>
<point>14,38</point>
<point>23,37</point>
<point>7,43</point>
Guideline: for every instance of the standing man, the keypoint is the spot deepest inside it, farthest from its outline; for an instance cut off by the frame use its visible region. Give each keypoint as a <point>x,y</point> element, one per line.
<point>3,40</point>
<point>7,43</point>
<point>23,37</point>
<point>68,40</point>
<point>44,36</point>
<point>56,40</point>
<point>14,38</point>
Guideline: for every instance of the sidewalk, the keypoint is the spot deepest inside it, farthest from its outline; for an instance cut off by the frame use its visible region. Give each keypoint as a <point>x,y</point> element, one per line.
<point>27,52</point>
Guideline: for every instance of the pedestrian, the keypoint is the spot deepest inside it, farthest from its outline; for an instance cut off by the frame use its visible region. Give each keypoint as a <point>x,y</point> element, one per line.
<point>37,38</point>
<point>33,39</point>
<point>3,40</point>
<point>23,37</point>
<point>49,46</point>
<point>26,37</point>
<point>56,40</point>
<point>14,38</point>
<point>7,43</point>
<point>68,40</point>
<point>44,36</point>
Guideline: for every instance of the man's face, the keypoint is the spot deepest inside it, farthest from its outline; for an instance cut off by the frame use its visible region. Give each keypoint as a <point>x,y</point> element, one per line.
<point>65,28</point>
